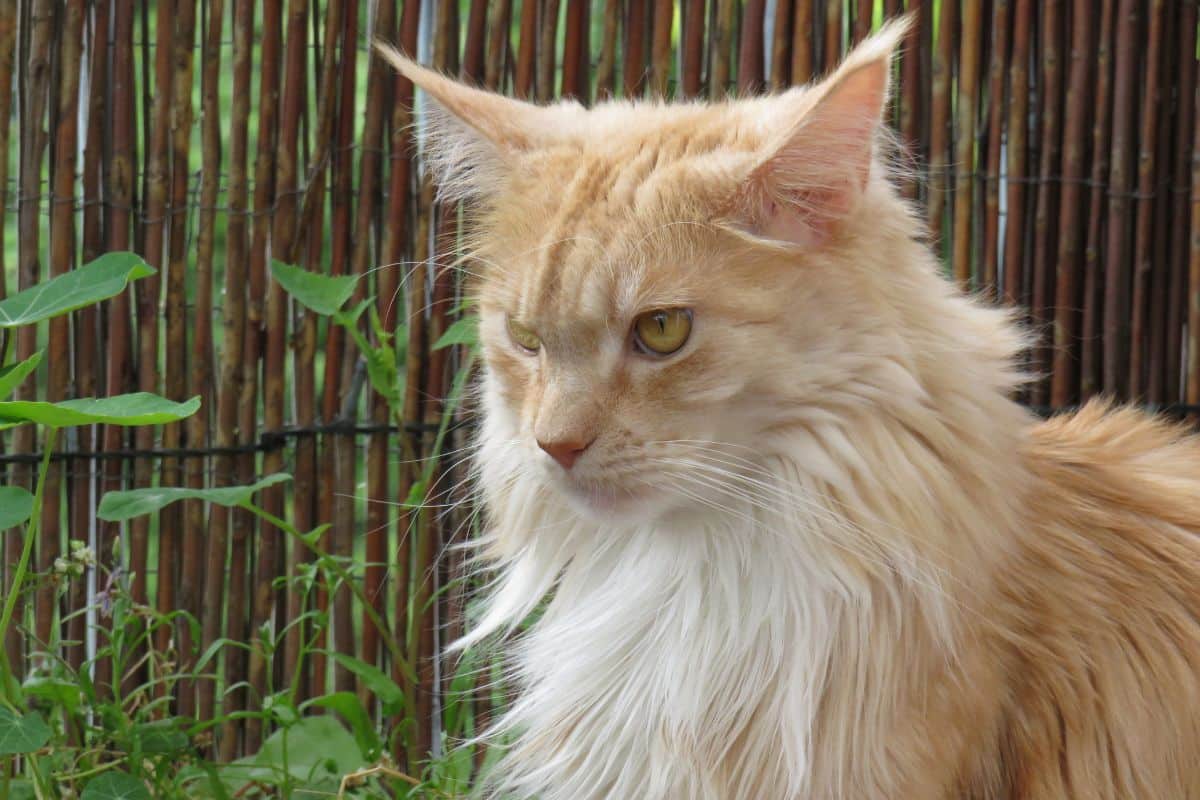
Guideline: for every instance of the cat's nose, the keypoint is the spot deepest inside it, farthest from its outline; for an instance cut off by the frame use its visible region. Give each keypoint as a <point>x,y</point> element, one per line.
<point>566,451</point>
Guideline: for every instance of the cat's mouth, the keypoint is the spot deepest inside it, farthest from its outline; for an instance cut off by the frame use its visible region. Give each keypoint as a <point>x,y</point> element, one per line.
<point>606,498</point>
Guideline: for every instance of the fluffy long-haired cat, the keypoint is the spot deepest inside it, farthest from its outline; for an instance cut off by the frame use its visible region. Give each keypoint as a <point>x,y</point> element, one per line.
<point>798,540</point>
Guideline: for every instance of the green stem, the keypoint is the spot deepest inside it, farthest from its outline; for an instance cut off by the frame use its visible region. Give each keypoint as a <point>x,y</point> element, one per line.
<point>340,571</point>
<point>31,529</point>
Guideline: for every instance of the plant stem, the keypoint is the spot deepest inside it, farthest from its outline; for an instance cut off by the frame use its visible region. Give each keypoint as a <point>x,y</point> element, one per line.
<point>31,528</point>
<point>340,571</point>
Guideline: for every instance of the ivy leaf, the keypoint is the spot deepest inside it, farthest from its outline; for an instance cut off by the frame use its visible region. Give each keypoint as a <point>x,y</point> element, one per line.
<point>324,294</point>
<point>139,408</point>
<point>98,280</point>
<point>22,733</point>
<point>120,506</point>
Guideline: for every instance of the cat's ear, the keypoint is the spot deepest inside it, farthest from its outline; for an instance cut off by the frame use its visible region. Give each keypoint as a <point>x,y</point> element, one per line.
<point>470,136</point>
<point>811,175</point>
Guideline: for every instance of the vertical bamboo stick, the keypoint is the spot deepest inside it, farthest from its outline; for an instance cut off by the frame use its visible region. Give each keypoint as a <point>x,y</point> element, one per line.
<point>1001,31</point>
<point>722,43</point>
<point>606,76</point>
<point>499,18</point>
<point>1193,329</point>
<point>175,314</point>
<point>526,50</point>
<point>234,310</point>
<point>1090,338</point>
<point>241,524</point>
<point>395,243</point>
<point>62,260</point>
<point>547,56</point>
<point>1066,304</point>
<point>1160,277</point>
<point>911,110</point>
<point>1047,190</point>
<point>379,81</point>
<point>339,362</point>
<point>473,50</point>
<point>692,46</point>
<point>803,60</point>
<point>1177,293</point>
<point>88,338</point>
<point>660,58</point>
<point>862,19</point>
<point>36,79</point>
<point>832,48</point>
<point>1144,209</point>
<point>781,64</point>
<point>1017,155</point>
<point>750,51</point>
<point>1116,271</point>
<point>940,135</point>
<point>634,69</point>
<point>121,182</point>
<point>149,289</point>
<point>964,142</point>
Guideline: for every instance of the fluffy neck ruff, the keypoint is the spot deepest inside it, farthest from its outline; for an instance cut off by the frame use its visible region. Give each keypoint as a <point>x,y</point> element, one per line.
<point>766,649</point>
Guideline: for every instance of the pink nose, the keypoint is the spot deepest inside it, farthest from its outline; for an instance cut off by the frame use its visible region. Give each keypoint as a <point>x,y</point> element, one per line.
<point>565,452</point>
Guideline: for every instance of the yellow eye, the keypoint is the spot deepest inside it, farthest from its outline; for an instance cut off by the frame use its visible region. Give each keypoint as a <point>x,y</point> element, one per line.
<point>526,338</point>
<point>663,331</point>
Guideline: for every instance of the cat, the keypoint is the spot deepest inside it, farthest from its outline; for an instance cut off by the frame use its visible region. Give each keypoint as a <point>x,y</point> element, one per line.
<point>797,538</point>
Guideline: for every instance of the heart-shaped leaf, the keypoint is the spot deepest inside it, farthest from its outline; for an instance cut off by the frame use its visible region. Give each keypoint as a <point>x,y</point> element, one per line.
<point>98,280</point>
<point>120,506</point>
<point>22,733</point>
<point>16,506</point>
<point>115,785</point>
<point>12,375</point>
<point>140,408</point>
<point>324,294</point>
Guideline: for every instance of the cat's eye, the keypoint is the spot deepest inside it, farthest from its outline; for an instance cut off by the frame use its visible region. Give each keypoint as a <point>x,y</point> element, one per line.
<point>527,339</point>
<point>662,331</point>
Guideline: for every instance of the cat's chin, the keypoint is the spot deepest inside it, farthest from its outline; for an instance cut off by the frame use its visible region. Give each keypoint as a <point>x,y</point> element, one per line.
<point>612,502</point>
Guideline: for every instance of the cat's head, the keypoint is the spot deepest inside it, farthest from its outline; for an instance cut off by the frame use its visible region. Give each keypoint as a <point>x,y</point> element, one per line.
<point>666,289</point>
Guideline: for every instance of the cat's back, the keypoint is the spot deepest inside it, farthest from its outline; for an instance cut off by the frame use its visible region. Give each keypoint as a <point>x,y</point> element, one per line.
<point>1105,601</point>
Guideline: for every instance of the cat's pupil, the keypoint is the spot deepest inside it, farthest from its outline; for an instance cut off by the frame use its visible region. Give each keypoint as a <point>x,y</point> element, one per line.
<point>661,319</point>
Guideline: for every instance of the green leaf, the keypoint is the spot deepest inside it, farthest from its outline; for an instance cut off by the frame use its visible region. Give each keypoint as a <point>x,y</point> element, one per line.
<point>16,506</point>
<point>54,691</point>
<point>120,506</point>
<point>324,294</point>
<point>108,275</point>
<point>22,734</point>
<point>140,408</point>
<point>160,736</point>
<point>350,708</point>
<point>114,785</point>
<point>463,331</point>
<point>317,751</point>
<point>12,375</point>
<point>376,681</point>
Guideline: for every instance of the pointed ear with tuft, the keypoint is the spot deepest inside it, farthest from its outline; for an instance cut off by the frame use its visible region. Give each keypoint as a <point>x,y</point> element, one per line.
<point>811,176</point>
<point>470,136</point>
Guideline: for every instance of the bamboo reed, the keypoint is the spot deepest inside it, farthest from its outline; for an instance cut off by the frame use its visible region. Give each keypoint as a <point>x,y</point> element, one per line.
<point>1116,268</point>
<point>1143,230</point>
<point>1066,299</point>
<point>1090,335</point>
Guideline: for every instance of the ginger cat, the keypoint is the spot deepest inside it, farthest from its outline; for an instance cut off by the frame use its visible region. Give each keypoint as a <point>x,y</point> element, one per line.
<point>798,539</point>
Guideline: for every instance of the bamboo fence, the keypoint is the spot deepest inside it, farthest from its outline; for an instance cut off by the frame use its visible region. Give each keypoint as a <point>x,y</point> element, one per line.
<point>1054,149</point>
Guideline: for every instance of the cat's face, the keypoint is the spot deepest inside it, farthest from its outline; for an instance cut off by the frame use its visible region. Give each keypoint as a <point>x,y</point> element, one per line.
<point>656,283</point>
